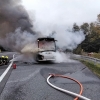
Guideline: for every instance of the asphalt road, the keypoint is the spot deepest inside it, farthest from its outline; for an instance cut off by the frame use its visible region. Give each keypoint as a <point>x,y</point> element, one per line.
<point>2,69</point>
<point>10,55</point>
<point>28,82</point>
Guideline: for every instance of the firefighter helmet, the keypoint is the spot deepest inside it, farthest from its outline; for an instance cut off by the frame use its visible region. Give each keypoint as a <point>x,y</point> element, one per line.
<point>6,57</point>
<point>2,56</point>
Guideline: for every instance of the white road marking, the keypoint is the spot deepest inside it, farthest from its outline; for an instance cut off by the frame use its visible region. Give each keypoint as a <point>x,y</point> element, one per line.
<point>6,71</point>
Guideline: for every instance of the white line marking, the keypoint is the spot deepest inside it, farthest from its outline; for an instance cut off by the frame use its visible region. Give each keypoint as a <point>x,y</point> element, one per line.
<point>6,71</point>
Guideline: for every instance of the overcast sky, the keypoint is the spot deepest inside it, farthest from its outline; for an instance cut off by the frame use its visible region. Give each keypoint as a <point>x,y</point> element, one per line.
<point>59,15</point>
<point>64,11</point>
<point>48,13</point>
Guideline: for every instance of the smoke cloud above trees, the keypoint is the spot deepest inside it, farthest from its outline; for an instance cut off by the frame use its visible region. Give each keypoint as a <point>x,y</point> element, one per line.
<point>17,19</point>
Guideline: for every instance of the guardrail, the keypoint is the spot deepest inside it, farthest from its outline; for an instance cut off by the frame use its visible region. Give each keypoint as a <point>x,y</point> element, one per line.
<point>95,60</point>
<point>91,58</point>
<point>4,77</point>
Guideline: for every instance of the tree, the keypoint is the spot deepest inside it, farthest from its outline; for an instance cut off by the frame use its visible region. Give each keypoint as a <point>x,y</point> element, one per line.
<point>98,18</point>
<point>75,27</point>
<point>92,39</point>
<point>85,28</point>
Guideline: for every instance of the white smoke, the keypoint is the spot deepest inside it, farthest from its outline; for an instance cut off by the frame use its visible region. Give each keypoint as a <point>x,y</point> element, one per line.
<point>25,57</point>
<point>17,40</point>
<point>68,39</point>
<point>50,16</point>
<point>63,57</point>
<point>54,15</point>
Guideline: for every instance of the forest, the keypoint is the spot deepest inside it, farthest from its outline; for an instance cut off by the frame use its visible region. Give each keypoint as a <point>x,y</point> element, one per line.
<point>92,36</point>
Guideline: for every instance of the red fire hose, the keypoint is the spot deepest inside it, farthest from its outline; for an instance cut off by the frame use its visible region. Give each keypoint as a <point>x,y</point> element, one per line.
<point>66,91</point>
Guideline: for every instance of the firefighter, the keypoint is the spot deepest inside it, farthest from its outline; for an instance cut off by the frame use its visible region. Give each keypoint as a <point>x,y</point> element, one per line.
<point>6,58</point>
<point>2,56</point>
<point>3,59</point>
<point>0,60</point>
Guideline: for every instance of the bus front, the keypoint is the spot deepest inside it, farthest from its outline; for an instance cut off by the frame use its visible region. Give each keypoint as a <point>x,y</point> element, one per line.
<point>47,49</point>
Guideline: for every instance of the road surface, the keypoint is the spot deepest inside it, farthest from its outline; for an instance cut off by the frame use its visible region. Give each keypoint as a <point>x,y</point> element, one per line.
<point>2,69</point>
<point>28,82</point>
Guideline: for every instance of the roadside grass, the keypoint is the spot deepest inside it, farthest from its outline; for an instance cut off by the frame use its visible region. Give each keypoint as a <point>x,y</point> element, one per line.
<point>96,55</point>
<point>94,67</point>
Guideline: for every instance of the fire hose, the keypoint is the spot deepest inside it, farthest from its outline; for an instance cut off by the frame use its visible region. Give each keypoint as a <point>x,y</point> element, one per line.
<point>66,91</point>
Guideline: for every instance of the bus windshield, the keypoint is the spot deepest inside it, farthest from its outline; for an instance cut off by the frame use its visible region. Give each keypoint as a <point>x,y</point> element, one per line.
<point>46,45</point>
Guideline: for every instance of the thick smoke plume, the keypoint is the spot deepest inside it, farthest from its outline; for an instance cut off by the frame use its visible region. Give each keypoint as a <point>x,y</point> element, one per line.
<point>54,16</point>
<point>17,33</point>
<point>12,16</point>
<point>16,29</point>
<point>17,40</point>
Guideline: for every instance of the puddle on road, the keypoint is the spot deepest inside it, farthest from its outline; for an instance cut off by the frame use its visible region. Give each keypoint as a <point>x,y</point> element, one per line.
<point>46,71</point>
<point>80,76</point>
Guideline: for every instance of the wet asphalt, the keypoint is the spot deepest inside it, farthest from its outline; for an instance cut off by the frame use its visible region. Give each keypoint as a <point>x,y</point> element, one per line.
<point>28,82</point>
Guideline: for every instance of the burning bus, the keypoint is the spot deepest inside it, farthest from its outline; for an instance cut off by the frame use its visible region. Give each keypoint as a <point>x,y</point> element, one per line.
<point>46,49</point>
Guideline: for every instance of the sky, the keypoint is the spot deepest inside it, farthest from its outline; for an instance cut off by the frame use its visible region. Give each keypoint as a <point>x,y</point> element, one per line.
<point>49,15</point>
<point>63,11</point>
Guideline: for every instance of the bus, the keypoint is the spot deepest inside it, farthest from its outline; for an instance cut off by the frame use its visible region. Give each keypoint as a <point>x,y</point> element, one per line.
<point>46,49</point>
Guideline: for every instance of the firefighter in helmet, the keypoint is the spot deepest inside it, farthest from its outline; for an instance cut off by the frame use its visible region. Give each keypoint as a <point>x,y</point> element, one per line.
<point>3,59</point>
<point>6,59</point>
<point>0,60</point>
